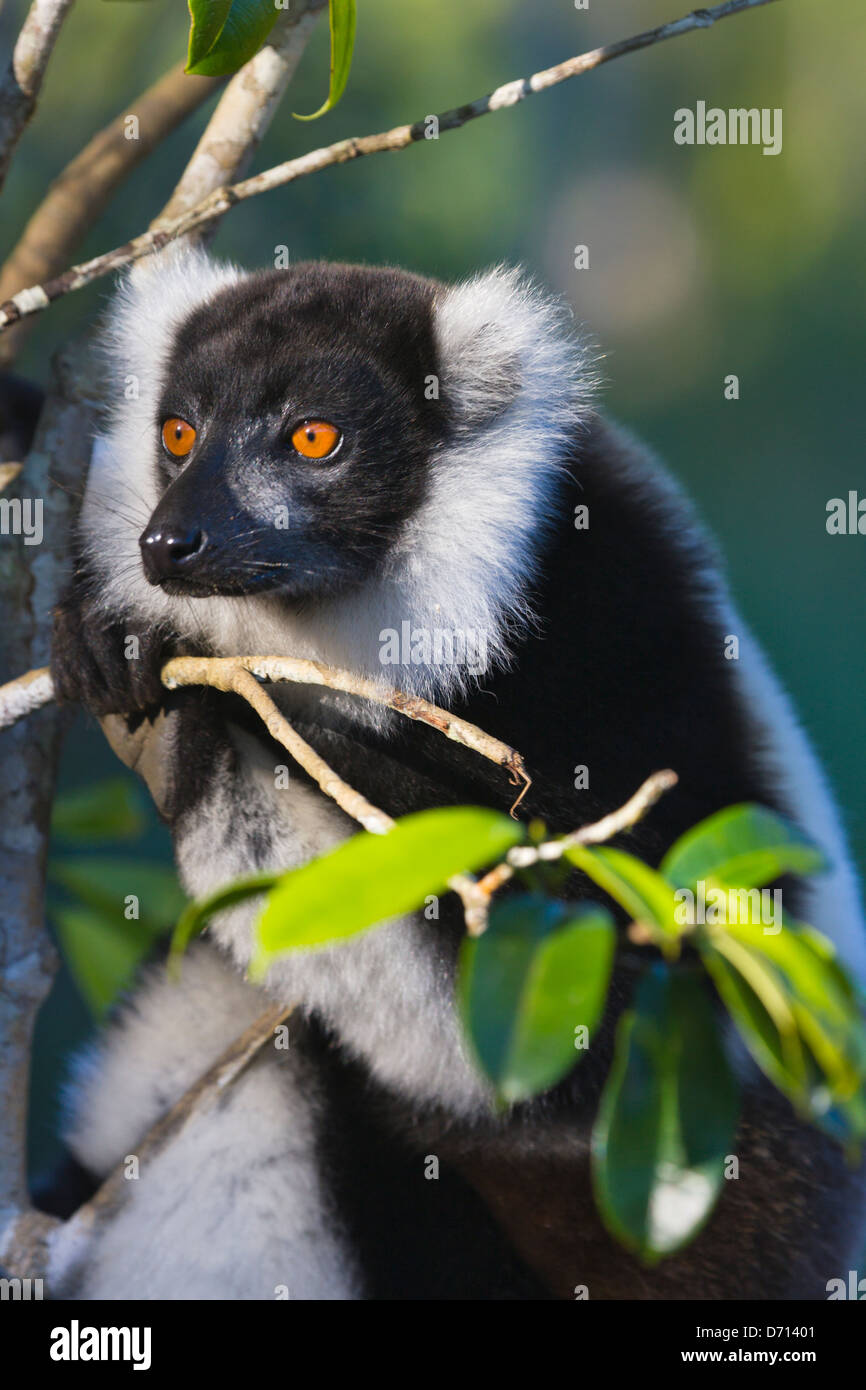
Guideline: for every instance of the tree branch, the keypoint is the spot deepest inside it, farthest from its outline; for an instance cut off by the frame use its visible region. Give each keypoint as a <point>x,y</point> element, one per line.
<point>38,297</point>
<point>238,674</point>
<point>30,580</point>
<point>79,194</point>
<point>19,88</point>
<point>232,676</point>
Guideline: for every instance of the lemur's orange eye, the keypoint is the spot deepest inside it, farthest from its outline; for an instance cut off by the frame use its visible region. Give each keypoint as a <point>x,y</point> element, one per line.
<point>178,437</point>
<point>315,439</point>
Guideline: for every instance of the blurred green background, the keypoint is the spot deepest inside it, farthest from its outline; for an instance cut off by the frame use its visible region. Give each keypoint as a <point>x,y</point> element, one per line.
<point>703,262</point>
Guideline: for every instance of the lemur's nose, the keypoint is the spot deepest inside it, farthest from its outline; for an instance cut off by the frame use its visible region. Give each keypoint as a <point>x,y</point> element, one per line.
<point>166,552</point>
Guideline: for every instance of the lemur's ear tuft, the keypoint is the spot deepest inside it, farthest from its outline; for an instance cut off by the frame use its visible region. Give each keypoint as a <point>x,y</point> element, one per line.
<point>495,333</point>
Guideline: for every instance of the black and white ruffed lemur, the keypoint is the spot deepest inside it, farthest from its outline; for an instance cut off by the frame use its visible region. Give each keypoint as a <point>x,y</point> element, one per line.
<point>426,447</point>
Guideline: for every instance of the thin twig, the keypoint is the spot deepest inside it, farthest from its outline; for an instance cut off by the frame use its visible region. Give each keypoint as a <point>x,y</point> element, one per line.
<point>21,83</point>
<point>38,297</point>
<point>237,126</point>
<point>238,675</point>
<point>522,856</point>
<point>24,695</point>
<point>191,670</point>
<point>352,802</point>
<point>646,796</point>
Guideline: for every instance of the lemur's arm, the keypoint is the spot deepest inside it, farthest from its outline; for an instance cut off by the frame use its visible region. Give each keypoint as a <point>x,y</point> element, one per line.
<point>109,667</point>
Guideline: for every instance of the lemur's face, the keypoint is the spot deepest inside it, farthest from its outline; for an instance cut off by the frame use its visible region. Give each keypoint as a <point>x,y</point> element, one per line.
<point>294,433</point>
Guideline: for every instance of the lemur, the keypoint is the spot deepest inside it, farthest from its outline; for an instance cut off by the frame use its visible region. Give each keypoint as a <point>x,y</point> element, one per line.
<point>298,462</point>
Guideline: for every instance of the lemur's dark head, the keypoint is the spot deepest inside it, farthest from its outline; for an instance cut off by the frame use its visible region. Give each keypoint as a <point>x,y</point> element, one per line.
<point>297,418</point>
<point>300,459</point>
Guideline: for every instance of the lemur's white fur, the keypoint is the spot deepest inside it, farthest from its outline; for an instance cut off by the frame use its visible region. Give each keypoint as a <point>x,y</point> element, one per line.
<point>381,991</point>
<point>234,1207</point>
<point>463,564</point>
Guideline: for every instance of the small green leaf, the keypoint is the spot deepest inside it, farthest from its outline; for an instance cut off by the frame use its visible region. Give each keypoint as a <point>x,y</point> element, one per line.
<point>109,810</point>
<point>240,36</point>
<point>740,847</point>
<point>538,973</point>
<point>196,915</point>
<point>643,893</point>
<point>372,878</point>
<point>103,956</point>
<point>342,20</point>
<point>667,1117</point>
<point>207,19</point>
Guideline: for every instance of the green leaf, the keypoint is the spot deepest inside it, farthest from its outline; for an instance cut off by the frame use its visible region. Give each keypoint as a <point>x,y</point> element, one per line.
<point>740,847</point>
<point>805,1049</point>
<point>207,18</point>
<point>103,956</point>
<point>196,915</point>
<point>667,1117</point>
<point>372,878</point>
<point>752,993</point>
<point>539,971</point>
<point>105,884</point>
<point>109,810</point>
<point>643,893</point>
<point>820,996</point>
<point>240,36</point>
<point>342,20</point>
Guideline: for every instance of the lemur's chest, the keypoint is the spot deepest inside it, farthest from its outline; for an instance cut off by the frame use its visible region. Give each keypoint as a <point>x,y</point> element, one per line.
<point>388,993</point>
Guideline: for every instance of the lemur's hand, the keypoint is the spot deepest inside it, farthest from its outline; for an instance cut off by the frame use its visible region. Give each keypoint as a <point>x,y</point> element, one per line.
<point>110,668</point>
